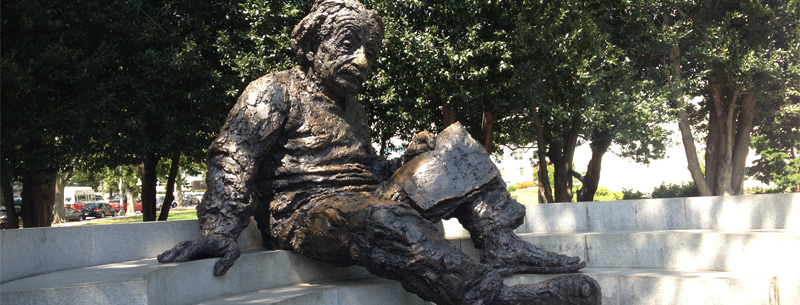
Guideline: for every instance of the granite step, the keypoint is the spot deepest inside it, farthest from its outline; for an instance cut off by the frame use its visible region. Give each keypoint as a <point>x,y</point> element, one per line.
<point>731,213</point>
<point>709,250</point>
<point>665,258</point>
<point>344,292</point>
<point>148,282</point>
<point>620,286</point>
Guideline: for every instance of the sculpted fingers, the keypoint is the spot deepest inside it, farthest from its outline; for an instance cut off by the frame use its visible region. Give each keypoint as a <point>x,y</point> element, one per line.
<point>421,143</point>
<point>223,264</point>
<point>172,255</point>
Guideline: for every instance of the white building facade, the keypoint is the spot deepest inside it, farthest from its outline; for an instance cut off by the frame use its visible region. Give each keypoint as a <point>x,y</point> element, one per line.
<point>515,165</point>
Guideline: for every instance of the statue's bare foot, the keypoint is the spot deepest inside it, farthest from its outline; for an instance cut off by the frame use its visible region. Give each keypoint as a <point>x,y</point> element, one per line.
<point>576,289</point>
<point>508,255</point>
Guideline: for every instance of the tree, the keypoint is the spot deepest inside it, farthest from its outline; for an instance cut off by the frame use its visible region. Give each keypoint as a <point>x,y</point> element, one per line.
<point>168,84</point>
<point>46,58</point>
<point>735,61</point>
<point>579,85</point>
<point>444,61</point>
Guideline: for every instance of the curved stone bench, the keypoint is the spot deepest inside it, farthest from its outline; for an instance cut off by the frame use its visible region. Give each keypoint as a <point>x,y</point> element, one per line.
<point>713,250</point>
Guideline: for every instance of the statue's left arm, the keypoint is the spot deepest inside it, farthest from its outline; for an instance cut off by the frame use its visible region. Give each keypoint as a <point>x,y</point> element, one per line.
<point>250,133</point>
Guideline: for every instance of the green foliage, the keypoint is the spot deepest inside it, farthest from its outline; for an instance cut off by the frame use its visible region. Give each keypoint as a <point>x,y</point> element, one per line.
<point>777,145</point>
<point>511,188</point>
<point>686,189</point>
<point>603,194</point>
<point>738,57</point>
<point>760,190</point>
<point>631,194</point>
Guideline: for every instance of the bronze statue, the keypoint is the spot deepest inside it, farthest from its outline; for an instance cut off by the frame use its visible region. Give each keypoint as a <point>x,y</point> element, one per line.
<point>295,153</point>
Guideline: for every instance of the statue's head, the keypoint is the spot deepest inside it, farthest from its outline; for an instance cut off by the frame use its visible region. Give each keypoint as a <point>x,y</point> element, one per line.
<point>338,41</point>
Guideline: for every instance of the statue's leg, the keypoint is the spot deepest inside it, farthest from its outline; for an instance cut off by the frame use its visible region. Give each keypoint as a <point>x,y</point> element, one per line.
<point>491,216</point>
<point>458,179</point>
<point>393,241</point>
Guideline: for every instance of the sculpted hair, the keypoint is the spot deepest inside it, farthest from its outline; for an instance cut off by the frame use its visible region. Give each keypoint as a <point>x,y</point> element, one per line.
<point>318,24</point>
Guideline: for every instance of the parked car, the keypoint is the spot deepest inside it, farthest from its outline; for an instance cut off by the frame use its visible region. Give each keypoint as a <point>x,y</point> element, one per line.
<point>189,200</point>
<point>98,210</point>
<point>3,219</point>
<point>114,202</point>
<point>160,202</point>
<point>71,214</point>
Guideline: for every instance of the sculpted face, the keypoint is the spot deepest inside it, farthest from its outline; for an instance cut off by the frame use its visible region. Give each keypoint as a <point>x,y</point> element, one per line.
<point>345,54</point>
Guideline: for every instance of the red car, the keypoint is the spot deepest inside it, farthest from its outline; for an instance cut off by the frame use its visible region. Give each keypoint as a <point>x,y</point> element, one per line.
<point>114,202</point>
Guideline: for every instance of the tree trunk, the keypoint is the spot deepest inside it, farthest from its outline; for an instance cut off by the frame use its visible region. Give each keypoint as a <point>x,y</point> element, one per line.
<point>545,191</point>
<point>58,206</point>
<point>384,142</point>
<point>147,173</point>
<point>8,202</point>
<point>592,178</point>
<point>173,173</point>
<point>179,181</point>
<point>38,196</point>
<point>562,153</point>
<point>742,143</point>
<point>683,120</point>
<point>448,115</point>
<point>131,201</point>
<point>730,123</point>
<point>487,128</point>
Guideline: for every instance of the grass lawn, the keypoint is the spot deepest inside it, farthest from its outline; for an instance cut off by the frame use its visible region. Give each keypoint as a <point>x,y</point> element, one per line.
<point>189,214</point>
<point>525,196</point>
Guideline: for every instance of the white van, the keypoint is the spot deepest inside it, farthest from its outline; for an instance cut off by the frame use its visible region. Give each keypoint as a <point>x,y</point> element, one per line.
<point>76,196</point>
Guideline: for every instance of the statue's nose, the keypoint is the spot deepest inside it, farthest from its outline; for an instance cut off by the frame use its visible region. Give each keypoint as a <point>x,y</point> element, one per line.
<point>361,58</point>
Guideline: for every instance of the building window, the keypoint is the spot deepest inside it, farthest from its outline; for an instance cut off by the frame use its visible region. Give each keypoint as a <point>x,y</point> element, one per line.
<point>522,171</point>
<point>517,155</point>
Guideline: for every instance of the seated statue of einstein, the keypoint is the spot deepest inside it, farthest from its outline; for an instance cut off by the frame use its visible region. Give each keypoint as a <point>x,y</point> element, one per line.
<point>295,153</point>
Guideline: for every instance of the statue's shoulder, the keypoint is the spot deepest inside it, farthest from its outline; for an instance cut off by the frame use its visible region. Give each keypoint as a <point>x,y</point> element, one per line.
<point>271,89</point>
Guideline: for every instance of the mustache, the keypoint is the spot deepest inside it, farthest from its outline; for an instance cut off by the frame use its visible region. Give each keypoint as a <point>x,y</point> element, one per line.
<point>354,70</point>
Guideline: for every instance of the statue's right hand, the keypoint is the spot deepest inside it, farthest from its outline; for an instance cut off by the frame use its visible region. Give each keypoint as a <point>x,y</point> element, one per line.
<point>224,247</point>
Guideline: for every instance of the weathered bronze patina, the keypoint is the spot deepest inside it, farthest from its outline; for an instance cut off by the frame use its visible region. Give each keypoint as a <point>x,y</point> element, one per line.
<point>295,152</point>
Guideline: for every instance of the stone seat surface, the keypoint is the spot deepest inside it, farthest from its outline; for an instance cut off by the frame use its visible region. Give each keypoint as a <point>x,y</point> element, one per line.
<point>740,250</point>
<point>677,258</point>
<point>148,282</point>
<point>343,292</point>
<point>620,286</point>
<point>675,287</point>
<point>709,250</point>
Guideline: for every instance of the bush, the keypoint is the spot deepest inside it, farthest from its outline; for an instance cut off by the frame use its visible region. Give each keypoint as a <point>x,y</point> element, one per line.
<point>521,185</point>
<point>686,189</point>
<point>631,194</point>
<point>761,190</point>
<point>603,194</point>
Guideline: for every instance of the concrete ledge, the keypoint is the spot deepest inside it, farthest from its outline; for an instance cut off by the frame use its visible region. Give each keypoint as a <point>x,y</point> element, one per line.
<point>772,211</point>
<point>351,292</point>
<point>738,251</point>
<point>148,282</point>
<point>34,251</point>
<point>671,287</point>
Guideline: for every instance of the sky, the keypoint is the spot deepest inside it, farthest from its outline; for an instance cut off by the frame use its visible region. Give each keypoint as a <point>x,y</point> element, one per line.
<point>618,173</point>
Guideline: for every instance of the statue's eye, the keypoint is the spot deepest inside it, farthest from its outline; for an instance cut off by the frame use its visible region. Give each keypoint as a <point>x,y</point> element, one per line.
<point>347,44</point>
<point>370,53</point>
